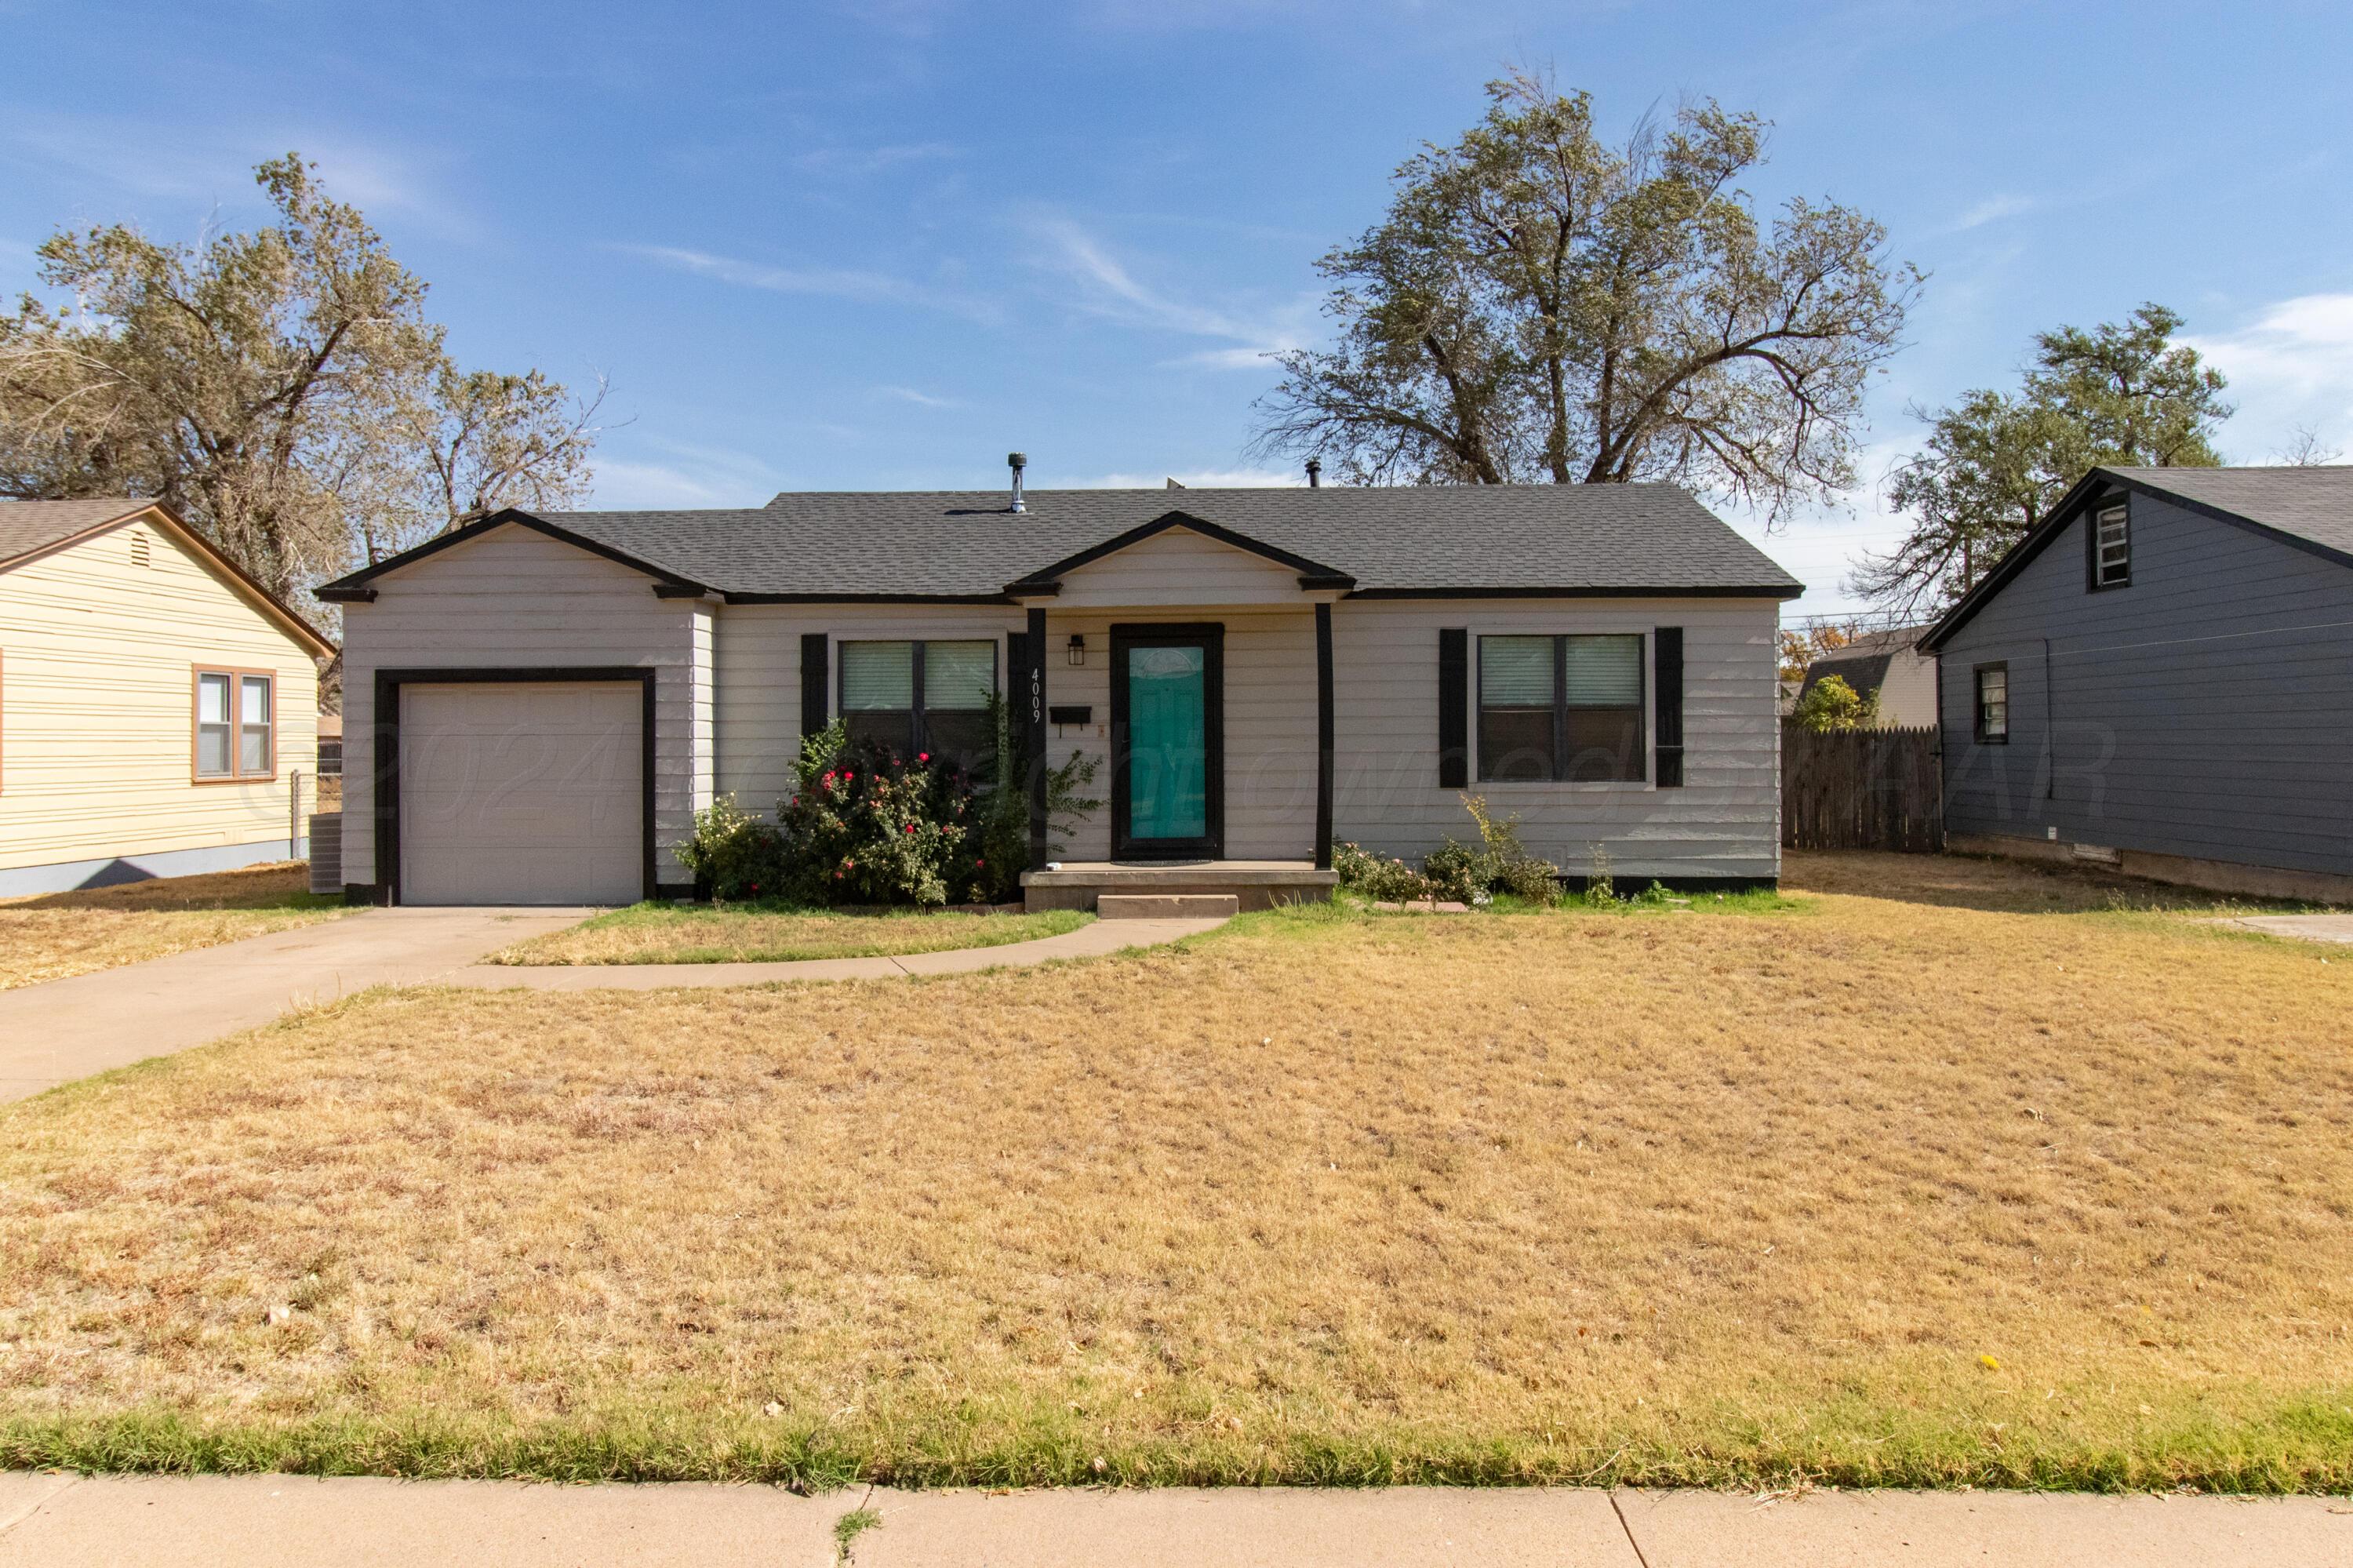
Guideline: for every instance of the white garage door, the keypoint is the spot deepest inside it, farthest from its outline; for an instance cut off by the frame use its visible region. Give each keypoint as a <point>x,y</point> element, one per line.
<point>521,794</point>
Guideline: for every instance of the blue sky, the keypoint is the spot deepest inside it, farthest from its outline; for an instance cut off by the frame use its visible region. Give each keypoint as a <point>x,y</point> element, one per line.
<point>876,244</point>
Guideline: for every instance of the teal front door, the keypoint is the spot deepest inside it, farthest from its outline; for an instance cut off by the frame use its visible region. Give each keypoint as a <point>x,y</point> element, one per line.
<point>1167,722</point>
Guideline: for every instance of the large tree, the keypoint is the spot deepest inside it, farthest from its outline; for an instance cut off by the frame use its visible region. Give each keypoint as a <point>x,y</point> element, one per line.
<point>282,389</point>
<point>1994,464</point>
<point>1537,305</point>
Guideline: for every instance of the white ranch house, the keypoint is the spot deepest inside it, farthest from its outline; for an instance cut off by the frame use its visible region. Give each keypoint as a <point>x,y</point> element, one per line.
<point>535,704</point>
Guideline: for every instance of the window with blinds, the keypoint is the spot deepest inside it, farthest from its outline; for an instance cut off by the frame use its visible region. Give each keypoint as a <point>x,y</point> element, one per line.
<point>921,698</point>
<point>235,725</point>
<point>1560,709</point>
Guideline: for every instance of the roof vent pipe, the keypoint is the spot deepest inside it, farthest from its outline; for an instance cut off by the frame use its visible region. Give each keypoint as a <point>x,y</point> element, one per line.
<point>1314,474</point>
<point>1019,461</point>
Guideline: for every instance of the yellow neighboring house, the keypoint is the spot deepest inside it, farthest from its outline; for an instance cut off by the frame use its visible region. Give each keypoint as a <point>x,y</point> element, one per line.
<point>158,709</point>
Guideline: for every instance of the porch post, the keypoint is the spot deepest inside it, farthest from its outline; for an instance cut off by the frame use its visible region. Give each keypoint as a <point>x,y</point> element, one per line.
<point>1323,734</point>
<point>1033,736</point>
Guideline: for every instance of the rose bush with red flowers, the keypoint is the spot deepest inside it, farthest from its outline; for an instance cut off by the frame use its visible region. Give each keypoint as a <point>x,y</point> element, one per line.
<point>865,825</point>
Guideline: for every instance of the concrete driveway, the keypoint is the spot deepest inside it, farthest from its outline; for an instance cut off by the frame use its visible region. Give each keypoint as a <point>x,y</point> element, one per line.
<point>62,1030</point>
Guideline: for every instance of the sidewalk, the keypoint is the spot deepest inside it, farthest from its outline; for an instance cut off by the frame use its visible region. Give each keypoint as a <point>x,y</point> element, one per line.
<point>65,1029</point>
<point>239,1521</point>
<point>1090,941</point>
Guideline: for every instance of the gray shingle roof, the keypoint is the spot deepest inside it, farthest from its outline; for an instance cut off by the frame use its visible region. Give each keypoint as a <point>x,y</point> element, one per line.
<point>29,526</point>
<point>2315,504</point>
<point>1573,538</point>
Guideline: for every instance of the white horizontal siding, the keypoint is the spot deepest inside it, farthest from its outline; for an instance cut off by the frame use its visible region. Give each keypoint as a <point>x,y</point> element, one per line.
<point>1179,568</point>
<point>98,648</point>
<point>514,599</point>
<point>1724,822</point>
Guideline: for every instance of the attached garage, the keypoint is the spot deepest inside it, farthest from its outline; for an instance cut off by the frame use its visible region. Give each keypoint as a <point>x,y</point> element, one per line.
<point>521,790</point>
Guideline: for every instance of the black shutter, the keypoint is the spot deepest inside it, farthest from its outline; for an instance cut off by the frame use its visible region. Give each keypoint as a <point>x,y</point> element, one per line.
<point>1453,708</point>
<point>1667,680</point>
<point>814,676</point>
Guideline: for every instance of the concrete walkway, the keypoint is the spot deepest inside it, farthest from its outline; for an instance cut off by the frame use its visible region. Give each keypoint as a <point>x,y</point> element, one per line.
<point>2311,927</point>
<point>66,1029</point>
<point>1089,941</point>
<point>237,1521</point>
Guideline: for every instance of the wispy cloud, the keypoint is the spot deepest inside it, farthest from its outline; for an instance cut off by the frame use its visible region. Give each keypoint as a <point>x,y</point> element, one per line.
<point>859,162</point>
<point>863,286</point>
<point>1107,287</point>
<point>920,399</point>
<point>1993,209</point>
<point>680,473</point>
<point>138,158</point>
<point>2290,366</point>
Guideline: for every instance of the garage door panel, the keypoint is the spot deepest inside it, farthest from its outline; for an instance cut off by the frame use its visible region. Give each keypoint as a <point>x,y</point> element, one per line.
<point>524,793</point>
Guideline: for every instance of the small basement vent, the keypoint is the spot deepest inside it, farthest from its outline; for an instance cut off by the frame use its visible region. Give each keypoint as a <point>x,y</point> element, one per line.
<point>140,548</point>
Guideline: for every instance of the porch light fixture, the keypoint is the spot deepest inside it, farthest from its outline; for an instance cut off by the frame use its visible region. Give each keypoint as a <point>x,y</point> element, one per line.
<point>1077,651</point>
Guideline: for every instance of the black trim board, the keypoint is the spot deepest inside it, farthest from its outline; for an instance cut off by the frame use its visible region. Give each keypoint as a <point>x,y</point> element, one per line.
<point>1210,637</point>
<point>1045,580</point>
<point>1324,738</point>
<point>481,525</point>
<point>386,730</point>
<point>1776,591</point>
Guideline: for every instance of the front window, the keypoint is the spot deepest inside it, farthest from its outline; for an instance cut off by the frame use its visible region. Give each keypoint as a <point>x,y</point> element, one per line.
<point>1560,709</point>
<point>917,697</point>
<point>236,725</point>
<point>2111,548</point>
<point>1993,704</point>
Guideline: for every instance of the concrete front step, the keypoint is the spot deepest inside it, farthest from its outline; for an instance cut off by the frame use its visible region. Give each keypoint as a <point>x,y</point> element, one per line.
<point>1168,905</point>
<point>1255,883</point>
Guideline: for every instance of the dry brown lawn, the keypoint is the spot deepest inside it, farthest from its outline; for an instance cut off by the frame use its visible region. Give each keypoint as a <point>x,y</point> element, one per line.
<point>707,934</point>
<point>1906,1184</point>
<point>53,934</point>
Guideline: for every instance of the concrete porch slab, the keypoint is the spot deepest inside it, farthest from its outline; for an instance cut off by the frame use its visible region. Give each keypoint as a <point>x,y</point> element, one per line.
<point>1253,884</point>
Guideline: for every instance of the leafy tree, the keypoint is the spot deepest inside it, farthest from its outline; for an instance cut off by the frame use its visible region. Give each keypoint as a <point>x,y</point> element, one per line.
<point>1831,704</point>
<point>281,389</point>
<point>1538,305</point>
<point>1800,646</point>
<point>1994,464</point>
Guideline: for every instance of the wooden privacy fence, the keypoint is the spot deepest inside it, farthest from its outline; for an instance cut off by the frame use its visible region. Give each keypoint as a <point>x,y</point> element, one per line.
<point>1864,788</point>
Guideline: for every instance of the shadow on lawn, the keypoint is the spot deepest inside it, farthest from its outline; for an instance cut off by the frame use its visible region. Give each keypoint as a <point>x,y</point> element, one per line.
<point>283,886</point>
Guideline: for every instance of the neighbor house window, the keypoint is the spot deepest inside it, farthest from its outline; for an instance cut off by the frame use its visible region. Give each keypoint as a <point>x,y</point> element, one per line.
<point>2111,548</point>
<point>917,697</point>
<point>1560,709</point>
<point>1993,704</point>
<point>236,724</point>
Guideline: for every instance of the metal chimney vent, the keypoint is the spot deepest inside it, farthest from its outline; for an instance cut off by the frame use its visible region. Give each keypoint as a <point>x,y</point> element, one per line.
<point>1017,461</point>
<point>1314,472</point>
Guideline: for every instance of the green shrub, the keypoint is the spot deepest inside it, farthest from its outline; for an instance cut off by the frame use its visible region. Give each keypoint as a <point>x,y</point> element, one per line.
<point>1499,862</point>
<point>1831,704</point>
<point>1376,876</point>
<point>864,825</point>
<point>733,854</point>
<point>1005,813</point>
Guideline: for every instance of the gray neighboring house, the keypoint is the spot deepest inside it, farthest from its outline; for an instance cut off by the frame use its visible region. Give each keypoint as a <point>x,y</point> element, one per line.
<point>1888,662</point>
<point>535,704</point>
<point>2160,677</point>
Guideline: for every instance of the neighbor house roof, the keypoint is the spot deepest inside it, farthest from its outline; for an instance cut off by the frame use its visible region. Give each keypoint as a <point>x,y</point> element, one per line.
<point>1389,541</point>
<point>1862,663</point>
<point>29,529</point>
<point>2307,508</point>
